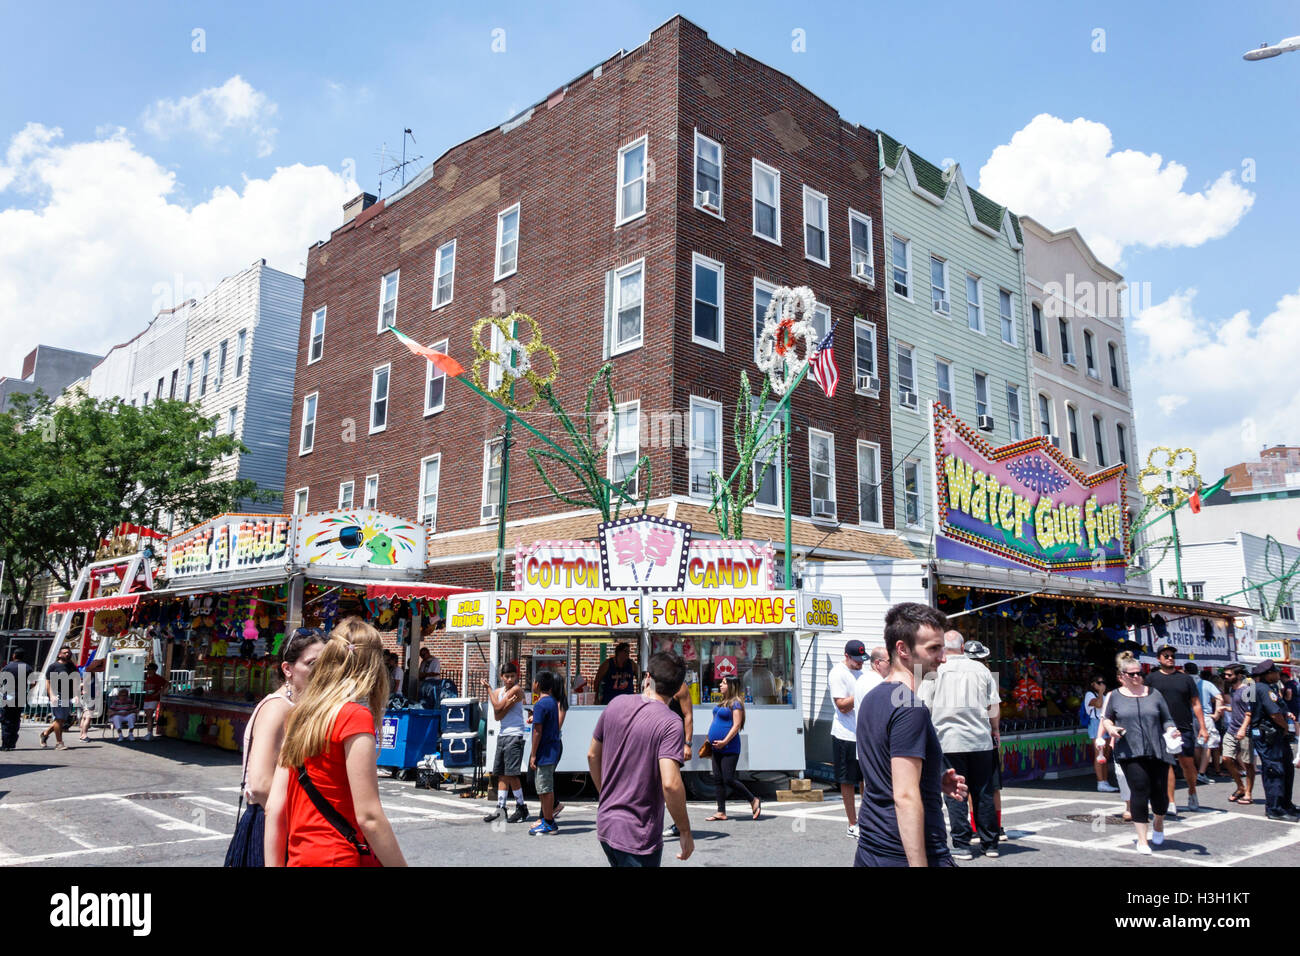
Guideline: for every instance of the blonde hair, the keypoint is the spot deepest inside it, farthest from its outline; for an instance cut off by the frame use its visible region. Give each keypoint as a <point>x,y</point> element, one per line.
<point>350,668</point>
<point>1122,658</point>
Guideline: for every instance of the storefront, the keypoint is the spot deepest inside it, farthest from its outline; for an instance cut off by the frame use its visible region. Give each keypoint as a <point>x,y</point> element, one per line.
<point>645,583</point>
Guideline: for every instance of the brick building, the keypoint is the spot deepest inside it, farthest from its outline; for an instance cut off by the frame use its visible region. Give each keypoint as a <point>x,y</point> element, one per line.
<point>642,213</point>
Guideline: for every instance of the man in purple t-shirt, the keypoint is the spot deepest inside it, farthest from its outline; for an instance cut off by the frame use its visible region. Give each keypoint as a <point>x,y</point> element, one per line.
<point>635,760</point>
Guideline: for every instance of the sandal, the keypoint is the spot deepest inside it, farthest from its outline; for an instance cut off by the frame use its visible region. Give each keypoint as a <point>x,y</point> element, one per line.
<point>1244,801</point>
<point>1236,796</point>
<point>715,817</point>
<point>757,807</point>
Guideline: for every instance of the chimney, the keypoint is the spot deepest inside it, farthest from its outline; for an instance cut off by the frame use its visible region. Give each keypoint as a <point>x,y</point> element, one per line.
<point>352,207</point>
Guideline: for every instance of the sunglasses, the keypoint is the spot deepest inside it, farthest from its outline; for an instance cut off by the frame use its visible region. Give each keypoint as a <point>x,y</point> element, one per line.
<point>1130,673</point>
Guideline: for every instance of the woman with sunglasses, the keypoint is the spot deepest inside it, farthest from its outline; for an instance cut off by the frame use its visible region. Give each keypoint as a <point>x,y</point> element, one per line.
<point>262,739</point>
<point>1136,717</point>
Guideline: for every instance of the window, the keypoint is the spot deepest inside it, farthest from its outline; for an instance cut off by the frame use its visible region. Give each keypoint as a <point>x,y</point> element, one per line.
<point>939,286</point>
<point>768,471</point>
<point>221,364</point>
<point>300,501</point>
<point>379,399</point>
<point>497,342</point>
<point>1099,440</point>
<point>307,438</point>
<point>767,202</point>
<point>864,357</point>
<point>625,448</point>
<point>707,296</point>
<point>491,479</point>
<point>943,376</point>
<point>1072,420</point>
<point>371,499</point>
<point>430,472</point>
<point>144,401</point>
<point>1114,364</point>
<point>627,311</point>
<point>1067,352</point>
<point>1045,416</point>
<point>631,181</point>
<point>1005,313</point>
<point>158,393</point>
<point>1121,442</point>
<point>906,377</point>
<point>821,468</point>
<point>435,382</point>
<point>860,264</point>
<point>912,493</point>
<point>239,352</point>
<point>317,347</point>
<point>203,378</point>
<point>981,394</point>
<point>507,242</point>
<point>388,300</point>
<point>345,495</point>
<point>1090,355</point>
<point>1040,339</point>
<point>814,227</point>
<point>189,378</point>
<point>868,483</point>
<point>175,375</point>
<point>1013,413</point>
<point>1284,611</point>
<point>708,174</point>
<point>1197,589</point>
<point>232,415</point>
<point>705,451</point>
<point>821,321</point>
<point>900,252</point>
<point>762,299</point>
<point>975,303</point>
<point>444,274</point>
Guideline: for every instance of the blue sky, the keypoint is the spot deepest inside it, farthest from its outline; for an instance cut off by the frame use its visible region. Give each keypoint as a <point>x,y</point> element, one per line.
<point>324,85</point>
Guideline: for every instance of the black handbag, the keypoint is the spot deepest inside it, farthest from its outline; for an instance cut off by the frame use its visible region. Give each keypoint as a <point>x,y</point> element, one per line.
<point>332,816</point>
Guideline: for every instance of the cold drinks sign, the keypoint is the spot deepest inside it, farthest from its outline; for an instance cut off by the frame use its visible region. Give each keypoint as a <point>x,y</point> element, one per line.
<point>1026,505</point>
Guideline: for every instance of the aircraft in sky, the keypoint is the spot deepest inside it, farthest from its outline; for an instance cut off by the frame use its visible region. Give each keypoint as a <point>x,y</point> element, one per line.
<point>1264,50</point>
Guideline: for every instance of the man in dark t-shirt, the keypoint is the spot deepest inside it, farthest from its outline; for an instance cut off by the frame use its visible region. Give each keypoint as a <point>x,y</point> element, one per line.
<point>1184,700</point>
<point>14,683</point>
<point>903,778</point>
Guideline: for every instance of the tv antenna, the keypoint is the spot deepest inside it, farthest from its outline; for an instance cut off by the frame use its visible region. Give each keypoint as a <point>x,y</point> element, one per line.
<point>397,168</point>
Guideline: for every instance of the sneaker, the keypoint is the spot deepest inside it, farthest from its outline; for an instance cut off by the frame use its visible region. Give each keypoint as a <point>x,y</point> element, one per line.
<point>1202,779</point>
<point>542,828</point>
<point>992,854</point>
<point>1173,810</point>
<point>60,746</point>
<point>1104,787</point>
<point>671,830</point>
<point>853,831</point>
<point>494,815</point>
<point>148,737</point>
<point>1193,804</point>
<point>1282,815</point>
<point>962,853</point>
<point>1157,837</point>
<point>518,815</point>
<point>1002,834</point>
<point>44,742</point>
<point>1145,849</point>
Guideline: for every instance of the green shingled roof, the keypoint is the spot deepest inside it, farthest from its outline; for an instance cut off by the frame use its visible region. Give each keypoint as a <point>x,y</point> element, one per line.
<point>1015,224</point>
<point>890,149</point>
<point>986,210</point>
<point>928,176</point>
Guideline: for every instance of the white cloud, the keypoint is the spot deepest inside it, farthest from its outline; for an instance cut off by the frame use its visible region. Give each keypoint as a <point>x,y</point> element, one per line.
<point>213,113</point>
<point>1066,174</point>
<point>81,267</point>
<point>1232,382</point>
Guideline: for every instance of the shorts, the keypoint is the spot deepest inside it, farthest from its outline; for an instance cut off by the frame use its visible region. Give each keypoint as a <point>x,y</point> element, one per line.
<point>1214,740</point>
<point>510,756</point>
<point>1238,750</point>
<point>1189,743</point>
<point>847,768</point>
<point>544,779</point>
<point>61,714</point>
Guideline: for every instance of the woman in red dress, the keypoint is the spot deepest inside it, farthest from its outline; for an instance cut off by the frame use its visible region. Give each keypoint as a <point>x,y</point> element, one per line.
<point>324,806</point>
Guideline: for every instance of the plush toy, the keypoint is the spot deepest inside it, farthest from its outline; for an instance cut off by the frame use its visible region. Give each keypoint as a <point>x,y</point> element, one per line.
<point>688,649</point>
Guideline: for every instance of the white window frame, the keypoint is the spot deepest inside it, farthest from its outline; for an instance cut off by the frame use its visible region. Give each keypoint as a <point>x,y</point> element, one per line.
<point>497,344</point>
<point>614,446</point>
<point>189,378</point>
<point>420,513</point>
<point>374,395</point>
<point>693,452</point>
<point>300,500</point>
<point>502,216</point>
<point>366,500</point>
<point>1112,354</point>
<point>1051,415</point>
<point>978,303</point>
<point>439,273</point>
<point>1065,333</point>
<point>1072,432</point>
<point>864,325</point>
<point>826,225</point>
<point>821,321</point>
<point>854,258</point>
<point>223,351</point>
<point>346,502</point>
<point>232,418</point>
<point>305,447</point>
<point>316,344</point>
<point>396,276</point>
<point>695,170</point>
<point>760,285</point>
<point>203,378</point>
<point>487,467</point>
<point>620,219</point>
<point>982,378</point>
<point>1099,439</point>
<point>1009,316</point>
<point>829,437</point>
<point>775,460</point>
<point>920,513</point>
<point>432,372</point>
<point>1018,432</point>
<point>616,348</point>
<point>1040,330</point>
<point>240,347</point>
<point>698,261</point>
<point>939,390</point>
<point>898,366</point>
<point>1090,366</point>
<point>945,289</point>
<point>878,489</point>
<point>907,266</point>
<point>755,166</point>
<point>1121,442</point>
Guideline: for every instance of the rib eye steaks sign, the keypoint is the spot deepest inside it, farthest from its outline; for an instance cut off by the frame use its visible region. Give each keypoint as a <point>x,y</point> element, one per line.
<point>1025,505</point>
<point>230,542</point>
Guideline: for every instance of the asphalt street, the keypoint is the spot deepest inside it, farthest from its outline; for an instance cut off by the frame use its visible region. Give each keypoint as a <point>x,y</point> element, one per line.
<point>172,803</point>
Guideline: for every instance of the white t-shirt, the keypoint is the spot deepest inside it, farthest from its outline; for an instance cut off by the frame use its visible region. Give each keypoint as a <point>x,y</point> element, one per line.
<point>512,724</point>
<point>841,684</point>
<point>868,682</point>
<point>1092,705</point>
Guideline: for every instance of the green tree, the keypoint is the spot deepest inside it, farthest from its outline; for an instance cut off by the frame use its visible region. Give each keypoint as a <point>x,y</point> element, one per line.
<point>70,475</point>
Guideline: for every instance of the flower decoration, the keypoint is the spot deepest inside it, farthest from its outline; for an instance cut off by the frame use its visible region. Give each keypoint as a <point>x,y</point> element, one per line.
<point>1169,471</point>
<point>516,359</point>
<point>787,322</point>
<point>1037,474</point>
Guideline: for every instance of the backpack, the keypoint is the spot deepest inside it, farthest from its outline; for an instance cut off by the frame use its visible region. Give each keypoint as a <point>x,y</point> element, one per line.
<point>1084,719</point>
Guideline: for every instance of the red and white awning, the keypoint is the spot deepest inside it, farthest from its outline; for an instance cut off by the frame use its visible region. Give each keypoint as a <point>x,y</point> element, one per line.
<point>97,604</point>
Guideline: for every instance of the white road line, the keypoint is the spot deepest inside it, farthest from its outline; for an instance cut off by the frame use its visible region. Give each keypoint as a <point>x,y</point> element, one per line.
<point>212,804</point>
<point>800,809</point>
<point>69,854</point>
<point>63,828</point>
<point>1043,805</point>
<point>433,814</point>
<point>84,796</point>
<point>1268,846</point>
<point>169,822</point>
<point>1173,828</point>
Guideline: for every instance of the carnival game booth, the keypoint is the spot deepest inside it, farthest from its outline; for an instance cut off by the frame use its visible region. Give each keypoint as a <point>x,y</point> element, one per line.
<point>1031,560</point>
<point>645,582</point>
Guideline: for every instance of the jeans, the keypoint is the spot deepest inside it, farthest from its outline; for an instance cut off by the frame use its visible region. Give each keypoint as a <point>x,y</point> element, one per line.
<point>9,725</point>
<point>623,858</point>
<point>977,767</point>
<point>1278,773</point>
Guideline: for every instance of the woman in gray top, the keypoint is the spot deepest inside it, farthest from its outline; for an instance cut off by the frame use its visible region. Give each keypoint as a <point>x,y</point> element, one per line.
<point>1136,717</point>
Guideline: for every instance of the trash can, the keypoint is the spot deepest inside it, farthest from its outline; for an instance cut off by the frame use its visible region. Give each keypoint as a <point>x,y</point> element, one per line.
<point>406,736</point>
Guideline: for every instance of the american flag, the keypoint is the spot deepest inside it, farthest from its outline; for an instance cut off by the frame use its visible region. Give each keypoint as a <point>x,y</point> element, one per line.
<point>823,365</point>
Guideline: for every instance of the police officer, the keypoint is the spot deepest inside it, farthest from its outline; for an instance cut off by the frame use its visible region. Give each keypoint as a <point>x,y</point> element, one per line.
<point>1268,718</point>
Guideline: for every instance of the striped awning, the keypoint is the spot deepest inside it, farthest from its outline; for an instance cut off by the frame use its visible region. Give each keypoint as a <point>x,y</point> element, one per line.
<point>96,604</point>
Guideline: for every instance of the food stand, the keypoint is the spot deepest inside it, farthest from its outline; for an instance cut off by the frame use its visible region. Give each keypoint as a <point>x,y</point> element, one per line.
<point>644,581</point>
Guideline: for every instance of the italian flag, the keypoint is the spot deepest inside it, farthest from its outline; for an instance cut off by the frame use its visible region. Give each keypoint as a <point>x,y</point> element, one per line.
<point>445,363</point>
<point>1195,501</point>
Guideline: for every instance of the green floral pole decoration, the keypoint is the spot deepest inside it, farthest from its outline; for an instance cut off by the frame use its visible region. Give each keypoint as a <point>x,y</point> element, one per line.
<point>732,497</point>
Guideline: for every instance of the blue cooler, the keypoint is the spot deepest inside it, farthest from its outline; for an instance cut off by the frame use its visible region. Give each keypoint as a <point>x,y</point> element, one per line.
<point>459,749</point>
<point>459,715</point>
<point>408,735</point>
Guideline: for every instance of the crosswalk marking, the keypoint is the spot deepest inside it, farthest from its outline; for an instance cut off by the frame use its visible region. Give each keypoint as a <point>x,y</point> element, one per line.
<point>63,827</point>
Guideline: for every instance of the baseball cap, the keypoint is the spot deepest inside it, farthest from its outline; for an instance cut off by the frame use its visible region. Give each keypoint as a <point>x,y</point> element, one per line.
<point>856,650</point>
<point>1167,649</point>
<point>976,649</point>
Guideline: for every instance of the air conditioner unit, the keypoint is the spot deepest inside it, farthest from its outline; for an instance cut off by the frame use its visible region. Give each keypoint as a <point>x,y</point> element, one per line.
<point>986,423</point>
<point>1056,440</point>
<point>488,511</point>
<point>708,200</point>
<point>428,521</point>
<point>908,399</point>
<point>824,509</point>
<point>1140,561</point>
<point>868,383</point>
<point>941,306</point>
<point>865,270</point>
